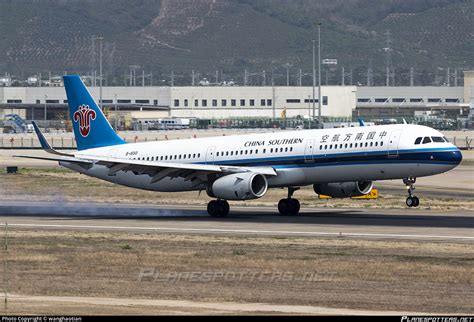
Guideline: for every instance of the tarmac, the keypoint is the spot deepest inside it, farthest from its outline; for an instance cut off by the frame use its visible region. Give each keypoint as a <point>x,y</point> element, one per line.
<point>311,222</point>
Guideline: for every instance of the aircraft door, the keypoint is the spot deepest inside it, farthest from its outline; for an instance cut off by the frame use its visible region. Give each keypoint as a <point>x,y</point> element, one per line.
<point>210,155</point>
<point>393,142</point>
<point>308,151</point>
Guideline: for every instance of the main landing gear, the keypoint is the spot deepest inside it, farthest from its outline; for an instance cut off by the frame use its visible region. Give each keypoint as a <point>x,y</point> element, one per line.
<point>218,208</point>
<point>412,201</point>
<point>289,206</point>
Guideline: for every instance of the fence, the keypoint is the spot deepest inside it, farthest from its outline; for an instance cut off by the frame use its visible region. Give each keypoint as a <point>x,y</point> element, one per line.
<point>463,140</point>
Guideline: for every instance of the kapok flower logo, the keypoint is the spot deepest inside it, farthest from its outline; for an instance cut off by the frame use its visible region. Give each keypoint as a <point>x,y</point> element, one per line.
<point>83,115</point>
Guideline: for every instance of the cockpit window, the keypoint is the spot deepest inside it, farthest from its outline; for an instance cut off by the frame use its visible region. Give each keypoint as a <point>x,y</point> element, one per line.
<point>418,140</point>
<point>447,141</point>
<point>437,139</point>
<point>426,140</point>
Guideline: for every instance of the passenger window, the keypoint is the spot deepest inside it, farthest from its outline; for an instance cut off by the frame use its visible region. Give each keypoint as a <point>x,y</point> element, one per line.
<point>381,143</point>
<point>366,144</point>
<point>426,140</point>
<point>291,149</point>
<point>320,147</point>
<point>264,150</point>
<point>376,143</point>
<point>371,143</point>
<point>418,140</point>
<point>355,145</point>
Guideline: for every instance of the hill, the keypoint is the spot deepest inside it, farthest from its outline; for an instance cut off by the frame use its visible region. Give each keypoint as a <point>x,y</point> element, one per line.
<point>230,35</point>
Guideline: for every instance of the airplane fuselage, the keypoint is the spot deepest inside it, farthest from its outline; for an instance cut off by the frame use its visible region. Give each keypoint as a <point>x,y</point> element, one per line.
<point>299,158</point>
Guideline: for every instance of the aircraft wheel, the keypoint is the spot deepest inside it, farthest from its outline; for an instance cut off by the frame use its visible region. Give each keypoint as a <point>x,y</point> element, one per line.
<point>224,208</point>
<point>410,202</point>
<point>416,201</point>
<point>288,207</point>
<point>212,208</point>
<point>283,207</point>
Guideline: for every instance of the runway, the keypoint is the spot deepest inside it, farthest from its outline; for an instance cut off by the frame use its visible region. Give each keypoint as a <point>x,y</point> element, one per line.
<point>414,224</point>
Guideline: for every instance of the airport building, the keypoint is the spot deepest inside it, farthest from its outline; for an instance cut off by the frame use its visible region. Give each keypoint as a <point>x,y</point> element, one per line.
<point>221,102</point>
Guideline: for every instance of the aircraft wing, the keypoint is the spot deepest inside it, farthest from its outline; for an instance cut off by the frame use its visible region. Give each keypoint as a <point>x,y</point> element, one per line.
<point>156,170</point>
<point>160,170</point>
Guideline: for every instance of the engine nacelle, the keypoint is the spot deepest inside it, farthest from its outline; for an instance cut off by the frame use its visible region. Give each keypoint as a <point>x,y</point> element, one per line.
<point>239,186</point>
<point>344,189</point>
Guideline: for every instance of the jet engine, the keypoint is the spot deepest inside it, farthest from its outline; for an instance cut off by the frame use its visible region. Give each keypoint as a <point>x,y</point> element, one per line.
<point>239,186</point>
<point>344,189</point>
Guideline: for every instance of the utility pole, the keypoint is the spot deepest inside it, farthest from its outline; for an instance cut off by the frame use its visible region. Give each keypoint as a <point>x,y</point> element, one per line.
<point>369,74</point>
<point>319,76</point>
<point>5,268</point>
<point>314,80</point>
<point>116,115</point>
<point>448,77</point>
<point>287,66</point>
<point>412,77</point>
<point>172,78</point>
<point>245,77</point>
<point>192,75</point>
<point>343,74</point>
<point>100,38</point>
<point>388,51</point>
<point>45,97</point>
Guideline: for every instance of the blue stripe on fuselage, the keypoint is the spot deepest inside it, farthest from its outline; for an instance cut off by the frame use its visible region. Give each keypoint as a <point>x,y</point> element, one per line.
<point>450,156</point>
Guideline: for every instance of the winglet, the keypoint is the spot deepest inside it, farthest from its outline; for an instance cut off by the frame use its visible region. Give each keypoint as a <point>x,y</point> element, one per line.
<point>361,122</point>
<point>44,144</point>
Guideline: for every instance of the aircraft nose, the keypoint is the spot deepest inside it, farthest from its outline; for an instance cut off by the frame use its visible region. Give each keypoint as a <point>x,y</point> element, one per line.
<point>457,156</point>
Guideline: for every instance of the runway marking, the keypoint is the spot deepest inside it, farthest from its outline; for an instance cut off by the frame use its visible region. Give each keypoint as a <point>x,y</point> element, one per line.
<point>246,231</point>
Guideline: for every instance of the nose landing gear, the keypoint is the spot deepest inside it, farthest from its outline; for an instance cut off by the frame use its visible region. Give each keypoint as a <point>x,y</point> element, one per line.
<point>412,201</point>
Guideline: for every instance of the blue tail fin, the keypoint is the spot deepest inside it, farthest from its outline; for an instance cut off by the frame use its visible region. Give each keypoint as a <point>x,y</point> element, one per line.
<point>91,128</point>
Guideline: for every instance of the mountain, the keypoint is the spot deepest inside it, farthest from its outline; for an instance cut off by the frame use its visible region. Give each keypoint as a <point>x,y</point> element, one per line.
<point>231,35</point>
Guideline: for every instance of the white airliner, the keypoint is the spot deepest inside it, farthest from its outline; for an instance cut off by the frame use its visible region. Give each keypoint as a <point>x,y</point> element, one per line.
<point>340,162</point>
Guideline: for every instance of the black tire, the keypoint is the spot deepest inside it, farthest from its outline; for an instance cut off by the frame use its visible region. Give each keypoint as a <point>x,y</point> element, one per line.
<point>416,201</point>
<point>213,208</point>
<point>224,208</point>
<point>283,207</point>
<point>294,206</point>
<point>410,202</point>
